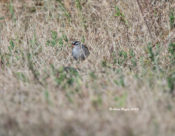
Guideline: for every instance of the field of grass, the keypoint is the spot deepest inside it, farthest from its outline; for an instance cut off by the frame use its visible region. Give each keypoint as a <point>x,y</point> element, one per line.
<point>126,87</point>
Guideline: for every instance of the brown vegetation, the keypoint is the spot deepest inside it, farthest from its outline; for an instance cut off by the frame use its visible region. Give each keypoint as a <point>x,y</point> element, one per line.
<point>131,65</point>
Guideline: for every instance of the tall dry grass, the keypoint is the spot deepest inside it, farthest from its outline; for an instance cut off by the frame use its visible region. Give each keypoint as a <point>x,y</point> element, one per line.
<point>131,65</point>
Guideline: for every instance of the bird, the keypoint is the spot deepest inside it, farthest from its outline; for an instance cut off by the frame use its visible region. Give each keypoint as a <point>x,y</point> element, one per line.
<point>79,51</point>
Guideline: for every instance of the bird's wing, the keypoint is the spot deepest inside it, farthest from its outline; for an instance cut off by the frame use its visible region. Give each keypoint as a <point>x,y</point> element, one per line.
<point>86,50</point>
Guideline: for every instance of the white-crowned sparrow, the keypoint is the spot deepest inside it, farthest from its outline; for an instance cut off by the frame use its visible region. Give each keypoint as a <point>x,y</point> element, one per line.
<point>79,51</point>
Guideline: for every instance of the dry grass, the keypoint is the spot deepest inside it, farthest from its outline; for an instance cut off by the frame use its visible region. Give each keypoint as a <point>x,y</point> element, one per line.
<point>131,65</point>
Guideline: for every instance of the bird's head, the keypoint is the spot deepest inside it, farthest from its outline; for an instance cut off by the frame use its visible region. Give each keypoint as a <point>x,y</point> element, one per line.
<point>76,43</point>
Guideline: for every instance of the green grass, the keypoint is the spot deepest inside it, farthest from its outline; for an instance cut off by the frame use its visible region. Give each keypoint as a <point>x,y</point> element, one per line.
<point>172,19</point>
<point>11,10</point>
<point>55,41</point>
<point>171,51</point>
<point>121,15</point>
